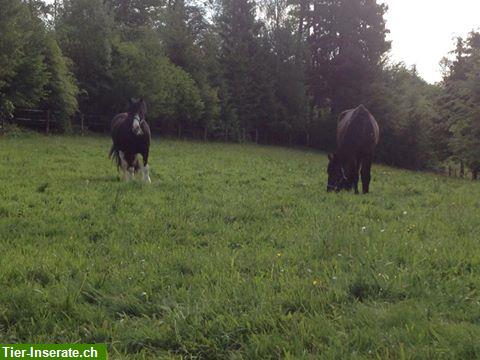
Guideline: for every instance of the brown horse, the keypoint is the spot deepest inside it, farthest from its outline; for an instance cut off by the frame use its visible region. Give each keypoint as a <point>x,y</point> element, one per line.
<point>357,136</point>
<point>131,136</point>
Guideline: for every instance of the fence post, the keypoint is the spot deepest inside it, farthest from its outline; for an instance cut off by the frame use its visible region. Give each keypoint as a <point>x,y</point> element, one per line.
<point>48,122</point>
<point>81,122</point>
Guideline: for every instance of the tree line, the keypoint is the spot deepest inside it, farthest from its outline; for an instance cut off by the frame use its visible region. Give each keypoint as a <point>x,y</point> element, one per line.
<point>265,71</point>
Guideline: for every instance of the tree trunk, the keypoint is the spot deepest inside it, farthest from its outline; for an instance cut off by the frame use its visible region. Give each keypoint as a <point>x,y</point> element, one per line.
<point>55,8</point>
<point>256,136</point>
<point>462,170</point>
<point>179,130</point>
<point>301,19</point>
<point>474,174</point>
<point>307,139</point>
<point>205,134</point>
<point>124,10</point>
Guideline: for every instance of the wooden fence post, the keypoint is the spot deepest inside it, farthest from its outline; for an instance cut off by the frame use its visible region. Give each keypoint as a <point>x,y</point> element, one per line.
<point>48,122</point>
<point>81,122</point>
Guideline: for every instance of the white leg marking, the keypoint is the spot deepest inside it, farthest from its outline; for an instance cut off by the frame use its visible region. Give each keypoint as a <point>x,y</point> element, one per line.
<point>146,174</point>
<point>123,165</point>
<point>131,173</point>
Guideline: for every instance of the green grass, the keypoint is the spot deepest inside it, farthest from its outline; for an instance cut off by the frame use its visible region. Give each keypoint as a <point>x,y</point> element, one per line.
<point>234,251</point>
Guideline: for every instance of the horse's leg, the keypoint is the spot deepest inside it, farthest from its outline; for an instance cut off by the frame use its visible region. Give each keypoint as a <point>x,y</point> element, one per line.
<point>356,170</point>
<point>366,166</point>
<point>124,165</point>
<point>136,164</point>
<point>131,173</point>
<point>131,166</point>
<point>145,169</point>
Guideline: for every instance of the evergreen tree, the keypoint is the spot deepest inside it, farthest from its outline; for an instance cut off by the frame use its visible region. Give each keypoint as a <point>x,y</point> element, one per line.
<point>187,36</point>
<point>347,43</point>
<point>135,13</point>
<point>239,50</point>
<point>460,105</point>
<point>61,89</point>
<point>86,31</point>
<point>404,105</point>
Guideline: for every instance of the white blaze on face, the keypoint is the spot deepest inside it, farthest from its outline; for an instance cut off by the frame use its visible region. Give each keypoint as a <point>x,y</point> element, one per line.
<point>137,130</point>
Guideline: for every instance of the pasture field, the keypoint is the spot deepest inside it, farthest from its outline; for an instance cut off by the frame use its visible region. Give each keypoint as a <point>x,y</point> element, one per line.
<point>234,252</point>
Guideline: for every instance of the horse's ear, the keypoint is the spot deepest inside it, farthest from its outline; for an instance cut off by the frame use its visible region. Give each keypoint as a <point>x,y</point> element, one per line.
<point>330,156</point>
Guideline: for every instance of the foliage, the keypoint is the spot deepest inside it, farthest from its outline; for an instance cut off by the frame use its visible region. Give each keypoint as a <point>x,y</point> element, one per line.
<point>406,112</point>
<point>85,31</point>
<point>347,41</point>
<point>240,50</point>
<point>62,89</point>
<point>33,71</point>
<point>461,103</point>
<point>140,69</point>
<point>23,74</point>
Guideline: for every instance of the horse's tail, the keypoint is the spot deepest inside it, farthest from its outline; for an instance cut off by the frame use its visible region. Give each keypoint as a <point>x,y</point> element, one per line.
<point>113,154</point>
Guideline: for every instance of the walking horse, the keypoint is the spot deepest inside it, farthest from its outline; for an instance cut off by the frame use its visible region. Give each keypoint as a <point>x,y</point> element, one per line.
<point>131,136</point>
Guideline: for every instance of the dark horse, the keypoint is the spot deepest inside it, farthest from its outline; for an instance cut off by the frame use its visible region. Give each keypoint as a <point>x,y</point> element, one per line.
<point>357,136</point>
<point>131,136</point>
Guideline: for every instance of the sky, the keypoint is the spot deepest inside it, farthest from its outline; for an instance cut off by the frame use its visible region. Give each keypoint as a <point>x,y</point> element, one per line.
<point>423,31</point>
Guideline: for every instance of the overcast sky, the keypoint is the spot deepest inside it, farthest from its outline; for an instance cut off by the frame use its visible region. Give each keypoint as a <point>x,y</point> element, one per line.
<point>422,31</point>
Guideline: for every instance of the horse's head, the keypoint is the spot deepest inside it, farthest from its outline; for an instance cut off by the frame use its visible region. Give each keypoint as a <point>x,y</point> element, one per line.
<point>137,111</point>
<point>337,176</point>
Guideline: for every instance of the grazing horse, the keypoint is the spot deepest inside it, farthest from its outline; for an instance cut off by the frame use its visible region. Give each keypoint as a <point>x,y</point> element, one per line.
<point>357,136</point>
<point>131,136</point>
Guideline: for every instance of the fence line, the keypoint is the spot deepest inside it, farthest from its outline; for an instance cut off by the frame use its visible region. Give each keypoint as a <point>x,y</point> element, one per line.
<point>45,120</point>
<point>34,118</point>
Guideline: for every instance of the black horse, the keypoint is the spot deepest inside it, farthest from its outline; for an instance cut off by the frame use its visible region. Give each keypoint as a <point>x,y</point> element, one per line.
<point>131,136</point>
<point>357,137</point>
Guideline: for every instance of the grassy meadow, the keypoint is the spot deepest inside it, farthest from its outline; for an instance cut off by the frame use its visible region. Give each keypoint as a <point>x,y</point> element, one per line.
<point>233,252</point>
